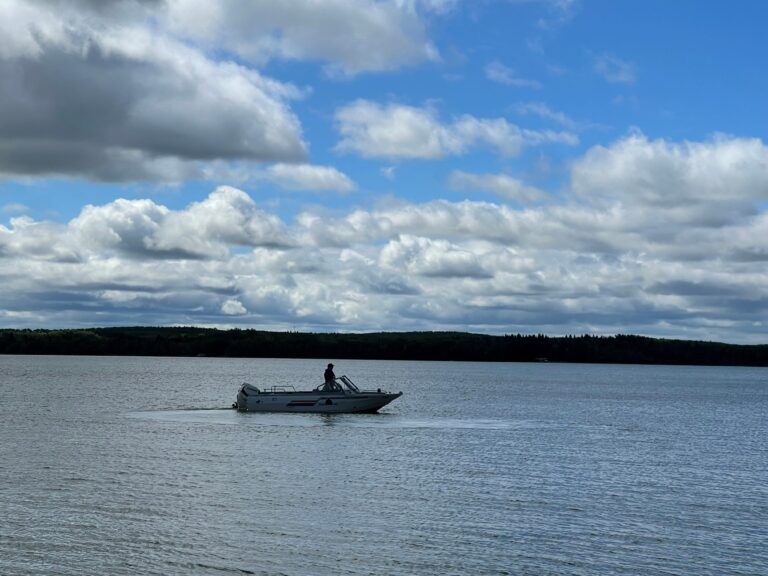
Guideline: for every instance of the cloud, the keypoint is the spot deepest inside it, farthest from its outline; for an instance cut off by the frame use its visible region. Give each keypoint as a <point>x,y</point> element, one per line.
<point>352,36</point>
<point>389,172</point>
<point>38,241</point>
<point>435,219</point>
<point>228,217</point>
<point>167,90</point>
<point>431,258</point>
<point>14,208</point>
<point>125,226</point>
<point>203,230</point>
<point>497,72</point>
<point>560,13</point>
<point>393,131</point>
<point>615,70</point>
<point>233,307</point>
<point>501,184</point>
<point>704,183</point>
<point>308,177</point>
<point>110,99</point>
<point>288,176</point>
<point>651,236</point>
<point>398,131</point>
<point>542,110</point>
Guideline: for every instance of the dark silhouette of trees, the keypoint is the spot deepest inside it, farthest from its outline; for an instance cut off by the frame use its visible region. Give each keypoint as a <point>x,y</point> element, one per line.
<point>152,341</point>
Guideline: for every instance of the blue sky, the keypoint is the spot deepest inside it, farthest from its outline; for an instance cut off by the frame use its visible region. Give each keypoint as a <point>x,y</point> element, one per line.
<point>558,166</point>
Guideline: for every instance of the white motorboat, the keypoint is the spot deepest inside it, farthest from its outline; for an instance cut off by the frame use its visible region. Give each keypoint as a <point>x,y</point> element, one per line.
<point>336,397</point>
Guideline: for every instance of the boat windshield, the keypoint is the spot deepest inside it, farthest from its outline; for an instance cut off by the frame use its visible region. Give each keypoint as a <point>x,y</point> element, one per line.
<point>349,384</point>
<point>343,384</point>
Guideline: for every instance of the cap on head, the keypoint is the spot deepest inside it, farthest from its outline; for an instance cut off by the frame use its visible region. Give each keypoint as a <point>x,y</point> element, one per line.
<point>330,365</point>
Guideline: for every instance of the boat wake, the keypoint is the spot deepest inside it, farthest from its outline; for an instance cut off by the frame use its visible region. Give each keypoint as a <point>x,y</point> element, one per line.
<point>385,420</point>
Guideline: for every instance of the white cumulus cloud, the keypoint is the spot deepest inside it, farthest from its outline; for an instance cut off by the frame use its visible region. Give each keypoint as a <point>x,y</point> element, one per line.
<point>233,307</point>
<point>206,229</point>
<point>352,36</point>
<point>694,182</point>
<point>433,258</point>
<point>308,177</point>
<point>399,131</point>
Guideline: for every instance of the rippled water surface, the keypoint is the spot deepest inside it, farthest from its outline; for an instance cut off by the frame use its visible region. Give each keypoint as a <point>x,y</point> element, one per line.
<point>137,466</point>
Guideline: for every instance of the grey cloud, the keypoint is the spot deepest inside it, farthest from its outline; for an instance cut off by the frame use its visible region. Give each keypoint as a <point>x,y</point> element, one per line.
<point>124,91</point>
<point>110,8</point>
<point>84,160</point>
<point>688,288</point>
<point>388,284</point>
<point>350,36</point>
<point>365,272</point>
<point>118,102</point>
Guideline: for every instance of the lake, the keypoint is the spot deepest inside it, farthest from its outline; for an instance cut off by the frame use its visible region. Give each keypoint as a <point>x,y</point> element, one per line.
<point>138,466</point>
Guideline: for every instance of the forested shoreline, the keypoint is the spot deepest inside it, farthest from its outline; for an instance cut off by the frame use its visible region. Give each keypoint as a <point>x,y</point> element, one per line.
<point>161,341</point>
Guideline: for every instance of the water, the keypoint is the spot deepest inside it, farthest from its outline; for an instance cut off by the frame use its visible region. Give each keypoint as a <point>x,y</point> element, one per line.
<point>136,466</point>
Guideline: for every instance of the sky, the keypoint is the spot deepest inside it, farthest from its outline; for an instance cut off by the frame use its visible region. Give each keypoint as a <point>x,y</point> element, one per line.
<point>510,166</point>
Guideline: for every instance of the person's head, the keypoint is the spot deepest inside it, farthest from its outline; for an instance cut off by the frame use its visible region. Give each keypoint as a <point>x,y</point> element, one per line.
<point>330,365</point>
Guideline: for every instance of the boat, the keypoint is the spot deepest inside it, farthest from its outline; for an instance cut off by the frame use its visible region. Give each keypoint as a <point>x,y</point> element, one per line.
<point>339,396</point>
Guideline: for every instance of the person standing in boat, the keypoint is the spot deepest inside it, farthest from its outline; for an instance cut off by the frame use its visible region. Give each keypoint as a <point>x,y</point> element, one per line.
<point>330,377</point>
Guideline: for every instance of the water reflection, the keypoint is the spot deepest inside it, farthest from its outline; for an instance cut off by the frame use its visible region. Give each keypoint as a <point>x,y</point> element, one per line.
<point>378,420</point>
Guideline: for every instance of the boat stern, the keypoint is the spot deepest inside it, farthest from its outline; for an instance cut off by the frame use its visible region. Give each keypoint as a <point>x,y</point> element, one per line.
<point>245,392</point>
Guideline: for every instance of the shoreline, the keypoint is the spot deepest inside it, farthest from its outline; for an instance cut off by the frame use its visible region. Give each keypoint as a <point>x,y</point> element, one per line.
<point>416,346</point>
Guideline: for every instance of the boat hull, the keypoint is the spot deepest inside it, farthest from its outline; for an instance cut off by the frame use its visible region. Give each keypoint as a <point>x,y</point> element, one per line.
<point>313,402</point>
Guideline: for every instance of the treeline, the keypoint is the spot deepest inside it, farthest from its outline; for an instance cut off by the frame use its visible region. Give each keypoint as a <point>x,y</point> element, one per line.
<point>150,341</point>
